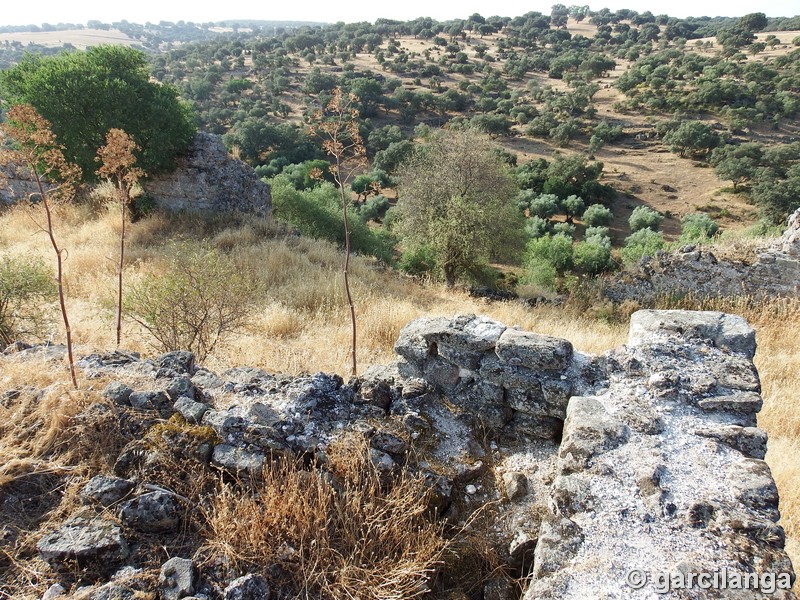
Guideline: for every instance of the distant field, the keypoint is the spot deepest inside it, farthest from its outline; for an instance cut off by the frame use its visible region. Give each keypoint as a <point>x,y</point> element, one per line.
<point>80,38</point>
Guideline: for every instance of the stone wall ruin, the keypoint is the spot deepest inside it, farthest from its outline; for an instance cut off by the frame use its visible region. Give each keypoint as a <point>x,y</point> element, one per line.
<point>645,459</point>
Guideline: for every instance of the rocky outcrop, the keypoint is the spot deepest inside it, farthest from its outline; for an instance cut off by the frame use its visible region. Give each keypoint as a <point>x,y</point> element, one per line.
<point>207,179</point>
<point>82,540</point>
<point>697,272</point>
<point>606,474</point>
<point>16,183</point>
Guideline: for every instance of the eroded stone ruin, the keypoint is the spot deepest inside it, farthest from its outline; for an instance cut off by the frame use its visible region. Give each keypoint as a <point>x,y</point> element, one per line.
<point>646,458</point>
<point>775,272</point>
<point>208,180</point>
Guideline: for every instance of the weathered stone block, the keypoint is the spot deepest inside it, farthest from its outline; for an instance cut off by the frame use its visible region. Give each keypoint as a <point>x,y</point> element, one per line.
<point>82,539</point>
<point>729,332</point>
<point>534,351</point>
<point>588,431</point>
<point>152,513</point>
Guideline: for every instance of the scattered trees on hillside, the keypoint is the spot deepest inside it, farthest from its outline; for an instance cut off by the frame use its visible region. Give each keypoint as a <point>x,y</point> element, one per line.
<point>772,173</point>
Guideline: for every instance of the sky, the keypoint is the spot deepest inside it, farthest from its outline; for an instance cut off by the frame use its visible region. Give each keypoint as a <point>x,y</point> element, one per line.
<point>140,11</point>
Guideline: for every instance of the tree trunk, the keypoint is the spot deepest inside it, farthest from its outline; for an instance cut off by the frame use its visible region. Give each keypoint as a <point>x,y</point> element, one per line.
<point>59,277</point>
<point>449,275</point>
<point>354,369</point>
<point>123,194</point>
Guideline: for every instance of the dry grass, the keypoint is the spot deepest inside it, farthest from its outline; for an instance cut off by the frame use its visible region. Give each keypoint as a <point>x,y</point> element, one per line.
<point>302,326</point>
<point>343,533</point>
<point>80,38</point>
<point>51,441</point>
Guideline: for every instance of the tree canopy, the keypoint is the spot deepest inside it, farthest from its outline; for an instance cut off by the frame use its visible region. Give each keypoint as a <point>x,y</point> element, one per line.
<point>456,201</point>
<point>84,94</point>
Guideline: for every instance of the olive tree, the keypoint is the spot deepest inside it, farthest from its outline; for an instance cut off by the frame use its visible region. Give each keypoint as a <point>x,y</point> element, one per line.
<point>457,200</point>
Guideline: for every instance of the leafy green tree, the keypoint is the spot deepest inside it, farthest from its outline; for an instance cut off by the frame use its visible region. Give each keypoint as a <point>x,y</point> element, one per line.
<point>598,232</point>
<point>593,255</point>
<point>370,183</point>
<point>532,174</point>
<point>753,22</point>
<point>644,217</point>
<point>84,94</point>
<point>572,174</point>
<point>494,125</point>
<point>573,206</point>
<point>456,198</point>
<point>555,249</point>
<point>391,158</point>
<point>565,229</point>
<point>693,137</point>
<point>545,206</point>
<point>737,163</point>
<point>778,197</point>
<point>381,138</point>
<point>777,185</point>
<point>537,227</point>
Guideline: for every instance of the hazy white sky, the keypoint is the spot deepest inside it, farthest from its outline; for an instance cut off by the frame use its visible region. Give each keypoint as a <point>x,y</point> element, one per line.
<point>16,12</point>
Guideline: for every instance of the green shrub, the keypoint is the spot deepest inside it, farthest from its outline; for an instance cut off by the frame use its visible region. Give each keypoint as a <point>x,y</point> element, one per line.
<point>417,261</point>
<point>555,249</point>
<point>542,274</point>
<point>545,205</point>
<point>373,208</point>
<point>697,226</point>
<point>201,296</point>
<point>573,206</point>
<point>644,242</point>
<point>644,217</point>
<point>593,255</point>
<point>317,213</point>
<point>26,287</point>
<point>601,232</point>
<point>565,229</point>
<point>537,227</point>
<point>597,214</point>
